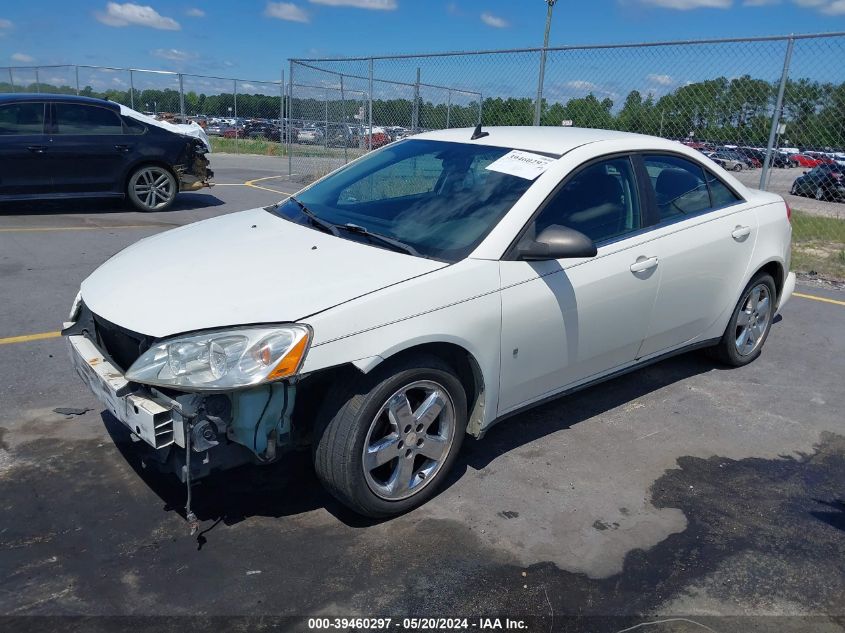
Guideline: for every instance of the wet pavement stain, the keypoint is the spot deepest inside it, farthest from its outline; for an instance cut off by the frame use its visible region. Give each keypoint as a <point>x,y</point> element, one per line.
<point>86,530</point>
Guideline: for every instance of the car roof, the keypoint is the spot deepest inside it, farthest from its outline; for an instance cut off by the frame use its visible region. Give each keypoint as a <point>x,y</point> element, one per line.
<point>552,140</point>
<point>36,96</point>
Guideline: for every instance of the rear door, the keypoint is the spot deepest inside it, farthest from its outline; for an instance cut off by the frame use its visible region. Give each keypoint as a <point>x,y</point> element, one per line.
<point>23,149</point>
<point>703,241</point>
<point>88,150</point>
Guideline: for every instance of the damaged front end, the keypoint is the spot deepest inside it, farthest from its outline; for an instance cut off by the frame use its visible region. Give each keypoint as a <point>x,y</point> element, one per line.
<point>189,434</point>
<point>193,171</point>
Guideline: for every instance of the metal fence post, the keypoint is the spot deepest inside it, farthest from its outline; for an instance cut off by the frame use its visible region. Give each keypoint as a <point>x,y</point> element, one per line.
<point>235,105</point>
<point>345,127</point>
<point>538,104</point>
<point>370,108</point>
<point>77,78</point>
<point>181,98</point>
<point>448,107</point>
<point>131,89</point>
<point>415,112</point>
<point>480,101</point>
<point>290,120</point>
<point>326,104</point>
<point>282,109</point>
<point>11,78</point>
<point>777,112</point>
<point>37,81</point>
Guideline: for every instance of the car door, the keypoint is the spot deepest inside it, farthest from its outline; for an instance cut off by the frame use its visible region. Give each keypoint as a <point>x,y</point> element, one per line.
<point>566,321</point>
<point>23,147</point>
<point>703,241</point>
<point>88,150</point>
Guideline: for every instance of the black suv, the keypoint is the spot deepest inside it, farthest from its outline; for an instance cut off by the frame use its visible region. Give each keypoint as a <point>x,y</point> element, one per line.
<point>62,146</point>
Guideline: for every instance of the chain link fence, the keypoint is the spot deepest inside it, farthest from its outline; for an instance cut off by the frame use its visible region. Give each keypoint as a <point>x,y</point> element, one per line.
<point>771,110</point>
<point>240,116</point>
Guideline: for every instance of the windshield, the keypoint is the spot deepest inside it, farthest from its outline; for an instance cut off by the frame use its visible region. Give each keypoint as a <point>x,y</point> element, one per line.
<point>437,198</point>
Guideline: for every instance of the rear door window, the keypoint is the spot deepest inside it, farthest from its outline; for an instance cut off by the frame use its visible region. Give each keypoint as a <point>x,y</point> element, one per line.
<point>81,119</point>
<point>22,118</point>
<point>683,187</point>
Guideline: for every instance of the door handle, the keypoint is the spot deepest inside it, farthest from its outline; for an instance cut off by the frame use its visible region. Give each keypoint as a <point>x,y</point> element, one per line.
<point>643,264</point>
<point>122,148</point>
<point>37,149</point>
<point>741,232</point>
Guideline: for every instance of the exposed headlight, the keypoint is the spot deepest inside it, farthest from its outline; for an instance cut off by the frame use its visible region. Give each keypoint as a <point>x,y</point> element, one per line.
<point>220,360</point>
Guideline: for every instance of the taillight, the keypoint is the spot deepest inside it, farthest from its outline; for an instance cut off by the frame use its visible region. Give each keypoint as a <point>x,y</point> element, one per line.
<point>788,212</point>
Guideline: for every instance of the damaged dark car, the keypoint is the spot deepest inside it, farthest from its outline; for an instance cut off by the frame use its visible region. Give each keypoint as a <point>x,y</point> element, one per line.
<point>62,146</point>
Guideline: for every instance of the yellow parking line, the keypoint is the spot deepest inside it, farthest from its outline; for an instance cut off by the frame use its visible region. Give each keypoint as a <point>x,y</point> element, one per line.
<point>29,337</point>
<point>251,183</point>
<point>817,298</point>
<point>31,229</point>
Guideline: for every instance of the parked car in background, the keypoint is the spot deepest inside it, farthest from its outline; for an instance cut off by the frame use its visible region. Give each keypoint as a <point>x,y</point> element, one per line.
<point>311,135</point>
<point>61,146</point>
<point>442,284</point>
<point>803,160</point>
<point>823,182</point>
<point>728,160</point>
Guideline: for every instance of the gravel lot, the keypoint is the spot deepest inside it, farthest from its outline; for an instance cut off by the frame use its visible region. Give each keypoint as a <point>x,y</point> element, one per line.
<point>682,490</point>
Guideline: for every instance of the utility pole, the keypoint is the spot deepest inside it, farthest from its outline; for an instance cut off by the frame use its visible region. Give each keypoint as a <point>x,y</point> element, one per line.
<point>538,104</point>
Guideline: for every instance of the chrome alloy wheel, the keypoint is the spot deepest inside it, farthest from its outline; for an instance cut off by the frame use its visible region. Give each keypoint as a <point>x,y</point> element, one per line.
<point>409,440</point>
<point>152,187</point>
<point>753,319</point>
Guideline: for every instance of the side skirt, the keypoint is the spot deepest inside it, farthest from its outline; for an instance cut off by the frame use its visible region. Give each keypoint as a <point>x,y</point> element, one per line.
<point>595,381</point>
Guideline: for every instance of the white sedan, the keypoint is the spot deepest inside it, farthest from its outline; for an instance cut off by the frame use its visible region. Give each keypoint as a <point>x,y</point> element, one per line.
<point>425,291</point>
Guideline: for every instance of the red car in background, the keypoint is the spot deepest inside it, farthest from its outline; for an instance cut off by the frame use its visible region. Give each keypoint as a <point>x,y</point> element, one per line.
<point>805,160</point>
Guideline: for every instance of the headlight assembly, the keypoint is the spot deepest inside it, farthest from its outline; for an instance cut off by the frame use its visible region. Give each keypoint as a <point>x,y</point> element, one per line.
<point>221,360</point>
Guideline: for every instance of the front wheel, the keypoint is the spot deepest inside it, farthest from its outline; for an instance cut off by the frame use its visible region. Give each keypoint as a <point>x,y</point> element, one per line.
<point>750,323</point>
<point>152,188</point>
<point>388,446</point>
<point>820,194</point>
<point>738,167</point>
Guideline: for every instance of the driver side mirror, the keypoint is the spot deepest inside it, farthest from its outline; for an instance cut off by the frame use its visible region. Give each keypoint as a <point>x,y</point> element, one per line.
<point>557,242</point>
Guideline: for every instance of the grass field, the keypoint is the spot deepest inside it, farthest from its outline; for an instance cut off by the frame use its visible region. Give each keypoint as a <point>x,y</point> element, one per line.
<point>818,244</point>
<point>264,147</point>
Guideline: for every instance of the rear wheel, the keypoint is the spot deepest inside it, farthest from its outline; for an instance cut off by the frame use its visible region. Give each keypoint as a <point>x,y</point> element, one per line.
<point>750,323</point>
<point>152,188</point>
<point>387,446</point>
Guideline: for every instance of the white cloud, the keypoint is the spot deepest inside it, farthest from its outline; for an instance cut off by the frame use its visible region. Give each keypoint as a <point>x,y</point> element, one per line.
<point>759,3</point>
<point>494,20</point>
<point>686,5</point>
<point>127,14</point>
<point>286,11</point>
<point>663,80</point>
<point>23,58</point>
<point>195,13</point>
<point>810,3</point>
<point>837,7</point>
<point>580,84</point>
<point>5,24</point>
<point>828,7</point>
<point>378,5</point>
<point>174,54</point>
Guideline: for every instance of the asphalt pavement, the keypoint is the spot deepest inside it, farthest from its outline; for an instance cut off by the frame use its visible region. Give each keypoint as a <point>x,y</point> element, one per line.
<point>683,491</point>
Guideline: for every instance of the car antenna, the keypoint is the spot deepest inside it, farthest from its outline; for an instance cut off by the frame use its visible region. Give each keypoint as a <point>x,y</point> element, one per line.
<point>478,133</point>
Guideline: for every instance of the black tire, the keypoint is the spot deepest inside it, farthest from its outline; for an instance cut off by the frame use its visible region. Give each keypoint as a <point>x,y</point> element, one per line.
<point>345,421</point>
<point>820,193</point>
<point>737,167</point>
<point>726,349</point>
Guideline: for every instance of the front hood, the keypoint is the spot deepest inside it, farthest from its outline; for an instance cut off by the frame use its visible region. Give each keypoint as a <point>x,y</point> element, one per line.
<point>237,269</point>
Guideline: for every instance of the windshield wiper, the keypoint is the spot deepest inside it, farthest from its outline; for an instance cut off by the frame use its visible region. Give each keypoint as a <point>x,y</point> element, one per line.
<point>315,221</point>
<point>396,245</point>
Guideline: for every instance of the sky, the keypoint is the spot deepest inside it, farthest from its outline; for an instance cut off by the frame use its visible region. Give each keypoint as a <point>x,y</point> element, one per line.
<point>253,39</point>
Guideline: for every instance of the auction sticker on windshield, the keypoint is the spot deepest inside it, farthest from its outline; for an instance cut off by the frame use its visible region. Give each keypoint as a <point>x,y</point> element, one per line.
<point>522,164</point>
